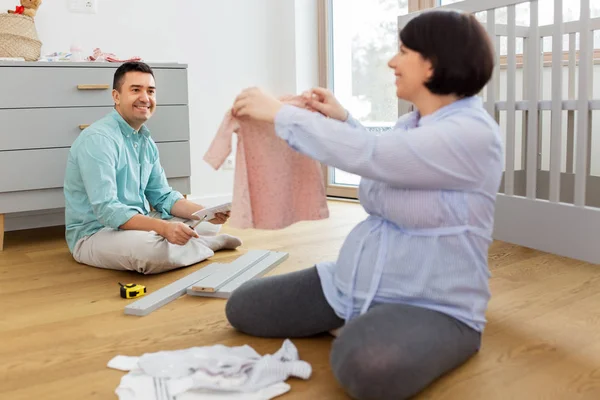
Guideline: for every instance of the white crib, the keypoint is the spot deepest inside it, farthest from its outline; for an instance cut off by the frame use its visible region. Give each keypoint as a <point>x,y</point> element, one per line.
<point>549,200</point>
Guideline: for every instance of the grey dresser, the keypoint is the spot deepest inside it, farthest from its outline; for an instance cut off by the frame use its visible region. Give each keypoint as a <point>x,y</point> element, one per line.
<point>44,106</point>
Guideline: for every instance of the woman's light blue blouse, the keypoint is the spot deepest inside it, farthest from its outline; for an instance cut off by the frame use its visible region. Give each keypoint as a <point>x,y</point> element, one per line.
<point>429,187</point>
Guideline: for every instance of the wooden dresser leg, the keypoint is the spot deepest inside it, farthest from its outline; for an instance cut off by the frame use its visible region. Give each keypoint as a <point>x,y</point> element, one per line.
<point>1,232</point>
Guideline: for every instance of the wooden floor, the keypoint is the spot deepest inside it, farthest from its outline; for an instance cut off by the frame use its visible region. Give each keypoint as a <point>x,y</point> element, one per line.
<point>61,322</point>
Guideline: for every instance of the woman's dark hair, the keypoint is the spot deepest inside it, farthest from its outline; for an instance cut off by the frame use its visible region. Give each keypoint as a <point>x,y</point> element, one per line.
<point>458,47</point>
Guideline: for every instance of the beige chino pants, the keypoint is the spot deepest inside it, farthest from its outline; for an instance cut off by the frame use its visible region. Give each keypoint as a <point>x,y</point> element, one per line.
<point>148,252</point>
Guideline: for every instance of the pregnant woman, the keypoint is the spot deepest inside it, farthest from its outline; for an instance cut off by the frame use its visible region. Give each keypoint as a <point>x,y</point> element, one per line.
<point>409,290</point>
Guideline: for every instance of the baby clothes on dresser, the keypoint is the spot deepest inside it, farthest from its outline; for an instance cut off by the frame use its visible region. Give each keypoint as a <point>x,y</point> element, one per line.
<point>275,186</point>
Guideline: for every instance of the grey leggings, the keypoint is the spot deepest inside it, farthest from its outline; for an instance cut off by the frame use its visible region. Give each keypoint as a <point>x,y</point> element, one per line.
<point>390,352</point>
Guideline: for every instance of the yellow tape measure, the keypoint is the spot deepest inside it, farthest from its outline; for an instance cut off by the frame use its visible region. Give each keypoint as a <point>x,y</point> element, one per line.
<point>132,290</point>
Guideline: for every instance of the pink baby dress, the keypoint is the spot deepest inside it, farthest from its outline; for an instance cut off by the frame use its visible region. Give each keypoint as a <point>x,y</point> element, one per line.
<point>275,186</point>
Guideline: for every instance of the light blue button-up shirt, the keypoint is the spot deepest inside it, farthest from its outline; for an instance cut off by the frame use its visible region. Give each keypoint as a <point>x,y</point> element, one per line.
<point>113,173</point>
<point>429,186</point>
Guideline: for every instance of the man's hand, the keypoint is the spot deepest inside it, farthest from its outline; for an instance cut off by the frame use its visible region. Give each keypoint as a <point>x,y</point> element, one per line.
<point>220,218</point>
<point>175,232</point>
<point>185,209</point>
<point>178,233</point>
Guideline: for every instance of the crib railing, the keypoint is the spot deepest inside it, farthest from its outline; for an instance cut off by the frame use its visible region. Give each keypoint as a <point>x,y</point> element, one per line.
<point>554,209</point>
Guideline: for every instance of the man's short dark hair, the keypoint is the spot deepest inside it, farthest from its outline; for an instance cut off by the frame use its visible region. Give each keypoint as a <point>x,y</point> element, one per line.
<point>458,47</point>
<point>130,66</point>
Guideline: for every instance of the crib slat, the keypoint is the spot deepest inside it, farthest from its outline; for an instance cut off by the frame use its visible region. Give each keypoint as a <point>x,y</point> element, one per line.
<point>557,97</point>
<point>502,30</point>
<point>571,113</point>
<point>590,85</point>
<point>490,103</point>
<point>509,176</point>
<point>585,62</point>
<point>525,114</point>
<point>541,100</point>
<point>496,76</point>
<point>569,27</point>
<point>540,136</point>
<point>533,74</point>
<point>472,6</point>
<point>546,30</point>
<point>546,105</point>
<point>589,143</point>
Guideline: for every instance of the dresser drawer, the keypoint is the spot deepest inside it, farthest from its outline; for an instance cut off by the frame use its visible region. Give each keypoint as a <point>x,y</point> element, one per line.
<point>32,169</point>
<point>46,167</point>
<point>40,128</point>
<point>27,87</point>
<point>175,158</point>
<point>44,199</point>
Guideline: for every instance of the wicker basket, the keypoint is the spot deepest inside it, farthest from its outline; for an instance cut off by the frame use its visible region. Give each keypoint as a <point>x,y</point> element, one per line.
<point>18,37</point>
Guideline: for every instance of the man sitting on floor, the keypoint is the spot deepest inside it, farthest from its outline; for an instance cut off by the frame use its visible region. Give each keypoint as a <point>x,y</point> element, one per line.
<point>114,175</point>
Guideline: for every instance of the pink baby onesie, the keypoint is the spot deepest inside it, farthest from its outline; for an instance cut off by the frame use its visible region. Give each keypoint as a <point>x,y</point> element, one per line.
<point>275,186</point>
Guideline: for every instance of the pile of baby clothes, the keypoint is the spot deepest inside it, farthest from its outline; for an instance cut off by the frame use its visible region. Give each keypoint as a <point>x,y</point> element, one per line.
<point>211,372</point>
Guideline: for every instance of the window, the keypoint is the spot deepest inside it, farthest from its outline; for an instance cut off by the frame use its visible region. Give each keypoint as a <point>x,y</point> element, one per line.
<point>363,37</point>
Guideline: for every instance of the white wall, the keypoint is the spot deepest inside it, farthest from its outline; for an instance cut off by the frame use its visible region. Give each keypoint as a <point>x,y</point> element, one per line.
<point>231,45</point>
<point>228,45</point>
<point>126,28</point>
<point>307,40</point>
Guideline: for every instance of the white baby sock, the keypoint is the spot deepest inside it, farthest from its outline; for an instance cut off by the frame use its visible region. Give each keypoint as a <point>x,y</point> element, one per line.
<point>220,242</point>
